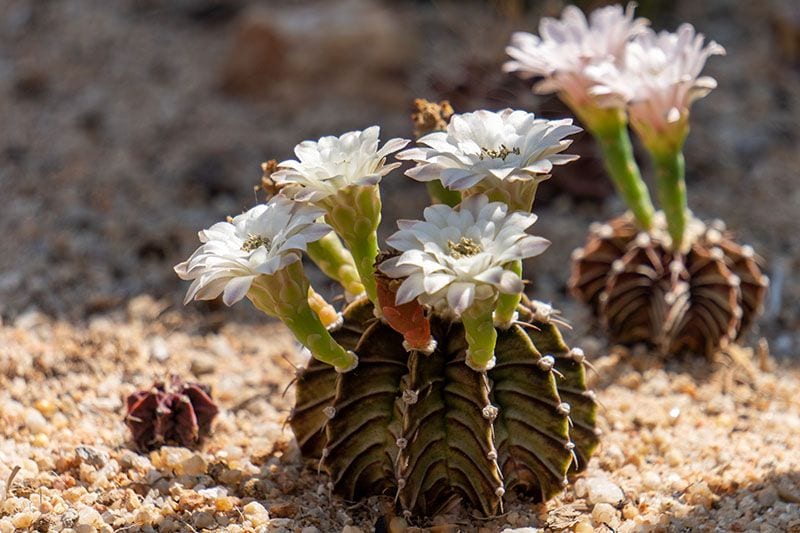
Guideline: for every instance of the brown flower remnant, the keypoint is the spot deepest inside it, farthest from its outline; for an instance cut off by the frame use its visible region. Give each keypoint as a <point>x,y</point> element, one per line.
<point>267,184</point>
<point>430,116</point>
<point>409,318</point>
<point>174,412</point>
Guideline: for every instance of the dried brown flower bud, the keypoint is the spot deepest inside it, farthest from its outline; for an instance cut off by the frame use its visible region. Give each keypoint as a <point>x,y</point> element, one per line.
<point>430,116</point>
<point>267,184</point>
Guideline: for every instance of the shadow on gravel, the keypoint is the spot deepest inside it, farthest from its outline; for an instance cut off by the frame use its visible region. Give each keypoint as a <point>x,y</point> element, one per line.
<point>771,504</point>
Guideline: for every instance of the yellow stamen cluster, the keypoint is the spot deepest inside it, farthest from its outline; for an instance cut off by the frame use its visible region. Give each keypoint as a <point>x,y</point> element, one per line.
<point>500,153</point>
<point>463,248</point>
<point>254,242</point>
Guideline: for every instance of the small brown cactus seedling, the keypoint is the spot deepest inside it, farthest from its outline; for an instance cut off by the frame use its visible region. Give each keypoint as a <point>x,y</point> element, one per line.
<point>699,300</point>
<point>173,412</point>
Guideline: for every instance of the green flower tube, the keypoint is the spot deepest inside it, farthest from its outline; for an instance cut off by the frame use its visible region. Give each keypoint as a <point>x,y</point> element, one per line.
<point>609,128</point>
<point>337,263</point>
<point>480,334</point>
<point>506,312</point>
<point>354,213</point>
<point>284,295</point>
<point>670,172</point>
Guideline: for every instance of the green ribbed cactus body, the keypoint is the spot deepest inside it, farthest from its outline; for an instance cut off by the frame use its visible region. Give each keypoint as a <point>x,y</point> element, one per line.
<point>430,432</point>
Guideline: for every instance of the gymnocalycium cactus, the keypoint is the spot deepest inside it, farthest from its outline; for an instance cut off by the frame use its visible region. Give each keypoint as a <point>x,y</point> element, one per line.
<point>439,382</point>
<point>664,278</point>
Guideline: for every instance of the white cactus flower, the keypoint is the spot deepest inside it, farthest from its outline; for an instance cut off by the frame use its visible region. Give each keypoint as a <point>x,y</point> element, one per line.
<point>659,77</point>
<point>457,256</point>
<point>566,47</point>
<point>324,167</point>
<point>483,145</point>
<point>263,240</point>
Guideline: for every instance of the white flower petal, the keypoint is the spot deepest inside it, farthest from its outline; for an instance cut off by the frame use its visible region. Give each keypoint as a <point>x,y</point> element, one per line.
<point>486,145</point>
<point>331,163</point>
<point>260,241</point>
<point>236,289</point>
<point>458,254</point>
<point>460,297</point>
<point>411,287</point>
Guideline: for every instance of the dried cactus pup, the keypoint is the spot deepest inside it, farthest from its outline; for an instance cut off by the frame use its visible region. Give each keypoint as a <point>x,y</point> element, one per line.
<point>173,412</point>
<point>430,431</point>
<point>697,300</point>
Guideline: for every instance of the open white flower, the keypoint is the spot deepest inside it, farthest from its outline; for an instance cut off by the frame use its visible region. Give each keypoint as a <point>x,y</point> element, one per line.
<point>659,77</point>
<point>566,47</point>
<point>263,240</point>
<point>483,145</point>
<point>457,256</point>
<point>332,163</point>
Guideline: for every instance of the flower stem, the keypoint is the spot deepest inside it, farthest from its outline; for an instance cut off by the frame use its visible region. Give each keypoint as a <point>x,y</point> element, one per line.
<point>441,195</point>
<point>284,295</point>
<point>354,214</point>
<point>611,133</point>
<point>505,312</point>
<point>480,333</point>
<point>671,171</point>
<point>337,263</point>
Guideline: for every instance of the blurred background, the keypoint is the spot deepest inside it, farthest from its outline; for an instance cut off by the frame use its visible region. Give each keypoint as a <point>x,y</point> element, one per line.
<point>127,126</point>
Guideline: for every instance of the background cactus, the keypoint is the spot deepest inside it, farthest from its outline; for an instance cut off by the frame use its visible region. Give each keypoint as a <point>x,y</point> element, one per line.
<point>430,431</point>
<point>699,300</point>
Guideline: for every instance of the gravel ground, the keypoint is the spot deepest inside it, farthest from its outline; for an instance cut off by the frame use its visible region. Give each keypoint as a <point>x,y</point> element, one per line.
<point>136,123</point>
<point>688,446</point>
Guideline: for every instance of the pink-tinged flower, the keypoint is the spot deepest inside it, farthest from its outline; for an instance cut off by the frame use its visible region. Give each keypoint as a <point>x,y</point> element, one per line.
<point>658,79</point>
<point>566,47</point>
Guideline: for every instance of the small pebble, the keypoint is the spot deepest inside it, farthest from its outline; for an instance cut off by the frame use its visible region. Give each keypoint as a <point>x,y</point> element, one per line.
<point>88,516</point>
<point>603,513</point>
<point>25,519</point>
<point>35,422</point>
<point>203,520</point>
<point>651,480</point>
<point>194,465</point>
<point>224,504</point>
<point>256,512</point>
<point>583,527</point>
<point>601,490</point>
<point>46,407</point>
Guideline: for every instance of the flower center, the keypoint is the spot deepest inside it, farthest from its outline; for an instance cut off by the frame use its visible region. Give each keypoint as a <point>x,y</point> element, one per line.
<point>254,242</point>
<point>500,153</point>
<point>463,248</point>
